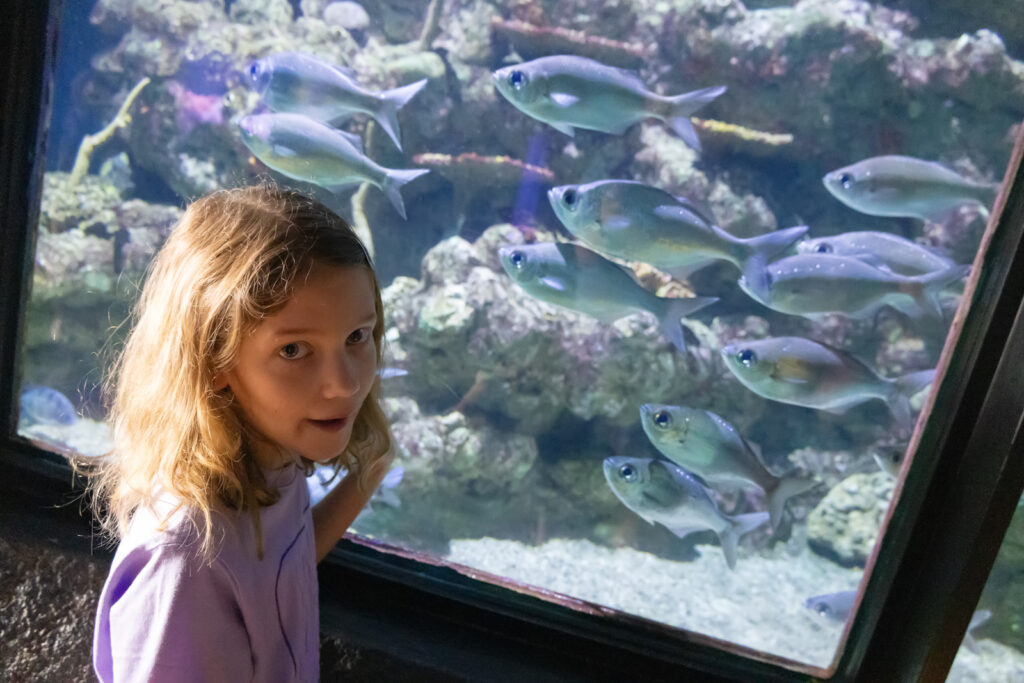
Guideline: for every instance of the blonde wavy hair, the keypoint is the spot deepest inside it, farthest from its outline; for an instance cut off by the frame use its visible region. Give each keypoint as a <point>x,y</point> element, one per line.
<point>233,259</point>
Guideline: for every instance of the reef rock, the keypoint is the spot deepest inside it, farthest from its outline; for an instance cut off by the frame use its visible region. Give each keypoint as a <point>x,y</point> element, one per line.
<point>471,338</point>
<point>845,524</point>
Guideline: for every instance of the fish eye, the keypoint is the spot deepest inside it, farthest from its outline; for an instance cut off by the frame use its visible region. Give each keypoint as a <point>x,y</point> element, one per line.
<point>822,609</point>
<point>846,180</point>
<point>823,248</point>
<point>747,357</point>
<point>627,473</point>
<point>896,456</point>
<point>254,70</point>
<point>518,259</point>
<point>517,79</point>
<point>570,198</point>
<point>662,418</point>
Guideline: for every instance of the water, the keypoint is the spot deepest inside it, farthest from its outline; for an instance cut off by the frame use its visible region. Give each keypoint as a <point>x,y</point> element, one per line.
<point>518,386</point>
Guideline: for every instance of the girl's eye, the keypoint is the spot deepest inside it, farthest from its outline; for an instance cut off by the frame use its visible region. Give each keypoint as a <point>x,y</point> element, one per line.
<point>361,335</point>
<point>293,351</point>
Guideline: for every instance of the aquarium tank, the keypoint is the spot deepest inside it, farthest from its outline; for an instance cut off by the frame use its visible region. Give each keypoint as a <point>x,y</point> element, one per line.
<point>667,283</point>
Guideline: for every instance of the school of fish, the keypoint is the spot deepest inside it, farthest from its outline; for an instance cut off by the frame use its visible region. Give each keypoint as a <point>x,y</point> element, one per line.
<point>854,274</point>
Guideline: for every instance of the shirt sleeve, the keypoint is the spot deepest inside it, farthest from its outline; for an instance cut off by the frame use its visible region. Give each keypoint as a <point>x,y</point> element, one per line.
<point>164,616</point>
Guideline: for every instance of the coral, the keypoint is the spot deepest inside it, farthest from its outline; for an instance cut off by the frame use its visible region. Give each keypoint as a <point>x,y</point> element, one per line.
<point>90,142</point>
<point>845,524</point>
<point>719,134</point>
<point>261,12</point>
<point>538,360</point>
<point>479,473</point>
<point>666,162</point>
<point>532,41</point>
<point>470,167</point>
<point>431,25</point>
<point>471,174</point>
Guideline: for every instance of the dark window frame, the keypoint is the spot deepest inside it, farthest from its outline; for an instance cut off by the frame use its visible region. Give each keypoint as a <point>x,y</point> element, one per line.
<point>930,567</point>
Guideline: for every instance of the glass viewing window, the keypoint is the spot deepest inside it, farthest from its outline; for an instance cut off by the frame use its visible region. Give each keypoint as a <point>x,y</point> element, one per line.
<point>668,286</point>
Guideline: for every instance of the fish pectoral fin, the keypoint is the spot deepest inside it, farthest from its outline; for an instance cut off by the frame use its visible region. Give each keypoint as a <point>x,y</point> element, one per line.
<point>619,222</point>
<point>563,128</point>
<point>554,283</point>
<point>837,410</point>
<point>563,99</point>
<point>284,151</point>
<point>791,371</point>
<point>682,531</point>
<point>353,139</point>
<point>341,187</point>
<point>674,212</point>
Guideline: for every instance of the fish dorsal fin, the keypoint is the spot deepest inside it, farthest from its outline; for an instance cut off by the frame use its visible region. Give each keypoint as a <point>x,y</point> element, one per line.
<point>563,99</point>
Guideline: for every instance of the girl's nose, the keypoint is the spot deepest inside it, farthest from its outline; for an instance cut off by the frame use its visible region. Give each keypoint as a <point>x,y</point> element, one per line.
<point>342,378</point>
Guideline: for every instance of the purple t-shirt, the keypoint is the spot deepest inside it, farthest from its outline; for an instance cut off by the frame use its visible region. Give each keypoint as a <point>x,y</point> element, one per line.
<point>164,615</point>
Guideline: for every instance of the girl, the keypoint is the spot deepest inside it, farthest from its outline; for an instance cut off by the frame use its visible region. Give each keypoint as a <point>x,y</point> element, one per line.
<point>253,357</point>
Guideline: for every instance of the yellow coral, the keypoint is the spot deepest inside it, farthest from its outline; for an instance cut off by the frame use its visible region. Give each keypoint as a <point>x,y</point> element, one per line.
<point>91,142</point>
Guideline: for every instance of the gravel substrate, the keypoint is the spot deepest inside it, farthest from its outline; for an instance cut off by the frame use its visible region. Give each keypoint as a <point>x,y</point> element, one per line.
<point>760,604</point>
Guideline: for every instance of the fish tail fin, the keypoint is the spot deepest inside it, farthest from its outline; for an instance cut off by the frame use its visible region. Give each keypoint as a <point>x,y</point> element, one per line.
<point>738,526</point>
<point>758,250</point>
<point>682,106</point>
<point>903,388</point>
<point>944,279</point>
<point>987,194</point>
<point>394,181</point>
<point>925,289</point>
<point>677,309</point>
<point>786,489</point>
<point>391,102</point>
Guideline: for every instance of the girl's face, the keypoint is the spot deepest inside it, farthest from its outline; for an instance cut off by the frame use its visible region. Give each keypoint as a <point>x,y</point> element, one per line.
<point>304,372</point>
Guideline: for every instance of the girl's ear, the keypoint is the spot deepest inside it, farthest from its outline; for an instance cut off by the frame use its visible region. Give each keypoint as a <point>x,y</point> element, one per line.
<point>220,380</point>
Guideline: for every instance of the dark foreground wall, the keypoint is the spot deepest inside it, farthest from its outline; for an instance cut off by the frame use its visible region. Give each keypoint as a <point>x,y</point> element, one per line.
<point>50,580</point>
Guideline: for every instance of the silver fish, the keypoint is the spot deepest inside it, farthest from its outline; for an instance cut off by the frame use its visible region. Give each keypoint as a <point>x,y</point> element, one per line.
<point>880,249</point>
<point>807,373</point>
<point>301,84</point>
<point>579,279</point>
<point>703,443</point>
<point>895,185</point>
<point>890,460</point>
<point>305,149</point>
<point>977,619</point>
<point>45,406</point>
<point>325,478</point>
<point>567,92</point>
<point>666,494</point>
<point>638,222</point>
<point>812,285</point>
<point>835,606</point>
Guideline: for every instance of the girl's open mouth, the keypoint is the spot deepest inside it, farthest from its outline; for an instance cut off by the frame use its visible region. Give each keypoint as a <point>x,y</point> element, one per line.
<point>330,425</point>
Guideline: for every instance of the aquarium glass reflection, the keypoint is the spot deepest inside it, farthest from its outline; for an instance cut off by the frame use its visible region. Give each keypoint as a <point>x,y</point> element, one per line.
<point>666,283</point>
<point>995,635</point>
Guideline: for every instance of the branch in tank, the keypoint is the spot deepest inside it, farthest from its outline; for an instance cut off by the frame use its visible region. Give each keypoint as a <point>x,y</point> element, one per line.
<point>91,142</point>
